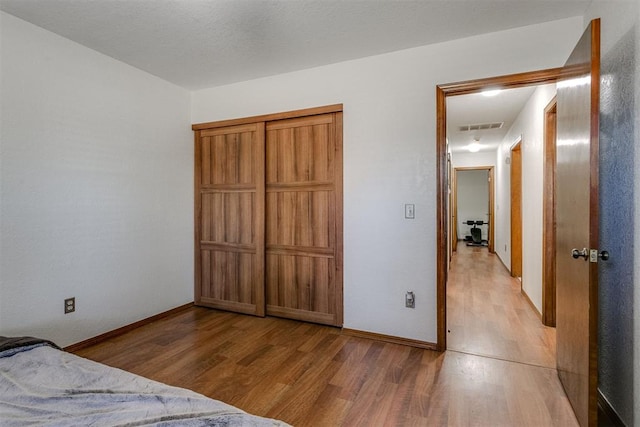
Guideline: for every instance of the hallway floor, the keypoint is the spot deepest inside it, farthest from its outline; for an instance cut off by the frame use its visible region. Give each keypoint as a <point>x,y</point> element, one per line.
<point>487,315</point>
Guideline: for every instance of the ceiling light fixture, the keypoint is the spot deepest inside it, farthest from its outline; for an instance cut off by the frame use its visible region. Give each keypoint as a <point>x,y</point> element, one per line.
<point>474,147</point>
<point>491,92</point>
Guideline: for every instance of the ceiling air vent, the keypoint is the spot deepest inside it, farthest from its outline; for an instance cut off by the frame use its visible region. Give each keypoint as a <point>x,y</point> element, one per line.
<point>480,126</point>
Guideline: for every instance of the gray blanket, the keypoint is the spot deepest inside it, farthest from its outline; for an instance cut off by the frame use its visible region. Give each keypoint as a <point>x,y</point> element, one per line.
<point>41,385</point>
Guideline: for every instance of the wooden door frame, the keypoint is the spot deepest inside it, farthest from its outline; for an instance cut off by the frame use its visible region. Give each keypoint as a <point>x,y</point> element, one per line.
<point>491,195</point>
<point>548,216</point>
<point>515,190</point>
<point>443,91</point>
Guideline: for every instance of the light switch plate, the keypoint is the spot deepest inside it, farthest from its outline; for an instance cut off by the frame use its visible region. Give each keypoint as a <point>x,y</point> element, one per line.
<point>409,211</point>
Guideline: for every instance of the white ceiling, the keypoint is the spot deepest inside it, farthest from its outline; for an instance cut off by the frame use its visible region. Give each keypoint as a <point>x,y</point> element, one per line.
<point>203,43</point>
<point>477,109</point>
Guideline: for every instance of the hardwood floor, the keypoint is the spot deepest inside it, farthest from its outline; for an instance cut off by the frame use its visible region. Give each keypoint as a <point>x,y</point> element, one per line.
<point>313,375</point>
<point>488,315</point>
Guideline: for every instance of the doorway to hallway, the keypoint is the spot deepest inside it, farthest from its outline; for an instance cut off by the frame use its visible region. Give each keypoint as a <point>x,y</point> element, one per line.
<point>488,312</point>
<point>454,90</point>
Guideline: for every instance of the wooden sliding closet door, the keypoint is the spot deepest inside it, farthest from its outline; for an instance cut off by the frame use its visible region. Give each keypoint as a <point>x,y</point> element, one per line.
<point>304,218</point>
<point>229,218</point>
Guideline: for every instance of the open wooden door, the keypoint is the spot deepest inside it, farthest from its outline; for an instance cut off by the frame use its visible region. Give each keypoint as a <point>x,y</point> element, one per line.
<point>548,216</point>
<point>577,226</point>
<point>516,210</point>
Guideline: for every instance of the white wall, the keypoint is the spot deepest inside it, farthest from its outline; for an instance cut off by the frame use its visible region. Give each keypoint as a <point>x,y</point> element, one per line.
<point>530,127</point>
<point>503,203</point>
<point>389,155</point>
<point>472,187</point>
<point>481,158</point>
<point>96,176</point>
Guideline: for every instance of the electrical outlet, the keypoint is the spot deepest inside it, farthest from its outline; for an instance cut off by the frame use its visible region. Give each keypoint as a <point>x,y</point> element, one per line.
<point>69,305</point>
<point>410,300</point>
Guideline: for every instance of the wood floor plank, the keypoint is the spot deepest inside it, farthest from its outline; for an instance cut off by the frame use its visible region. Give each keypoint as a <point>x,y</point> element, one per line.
<point>488,315</point>
<point>312,375</point>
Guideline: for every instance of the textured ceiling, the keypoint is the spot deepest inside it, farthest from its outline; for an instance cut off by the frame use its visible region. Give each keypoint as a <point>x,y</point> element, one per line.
<point>476,109</point>
<point>198,43</point>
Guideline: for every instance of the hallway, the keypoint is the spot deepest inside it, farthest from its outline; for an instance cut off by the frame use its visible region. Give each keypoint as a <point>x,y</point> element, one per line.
<point>487,315</point>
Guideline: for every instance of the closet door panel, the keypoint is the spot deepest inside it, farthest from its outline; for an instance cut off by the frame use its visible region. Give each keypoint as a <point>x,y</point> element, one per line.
<point>300,218</point>
<point>301,151</point>
<point>227,279</point>
<point>230,191</point>
<point>228,217</point>
<point>301,287</point>
<point>303,189</point>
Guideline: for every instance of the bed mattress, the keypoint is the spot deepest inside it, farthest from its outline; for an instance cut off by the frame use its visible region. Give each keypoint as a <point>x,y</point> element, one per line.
<point>43,385</point>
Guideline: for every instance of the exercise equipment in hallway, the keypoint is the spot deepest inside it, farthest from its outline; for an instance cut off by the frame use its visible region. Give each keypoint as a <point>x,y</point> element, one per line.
<point>475,239</point>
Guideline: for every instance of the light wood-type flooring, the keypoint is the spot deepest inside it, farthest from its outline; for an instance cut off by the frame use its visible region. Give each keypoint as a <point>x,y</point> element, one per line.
<point>313,375</point>
<point>487,314</point>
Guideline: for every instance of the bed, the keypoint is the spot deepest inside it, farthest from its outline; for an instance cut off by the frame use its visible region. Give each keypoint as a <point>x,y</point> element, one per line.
<point>42,385</point>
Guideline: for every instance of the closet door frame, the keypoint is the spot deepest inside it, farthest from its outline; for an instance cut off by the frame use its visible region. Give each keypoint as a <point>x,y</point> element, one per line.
<point>339,251</point>
<point>334,108</point>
